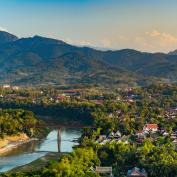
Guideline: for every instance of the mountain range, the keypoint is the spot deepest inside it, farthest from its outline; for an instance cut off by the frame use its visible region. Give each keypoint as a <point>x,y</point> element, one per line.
<point>44,61</point>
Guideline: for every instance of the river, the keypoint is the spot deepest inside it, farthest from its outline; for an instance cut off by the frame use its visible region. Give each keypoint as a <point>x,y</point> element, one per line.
<point>36,149</point>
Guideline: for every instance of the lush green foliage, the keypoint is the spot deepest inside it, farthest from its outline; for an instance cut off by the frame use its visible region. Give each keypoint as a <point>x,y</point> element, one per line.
<point>14,121</point>
<point>127,111</point>
<point>40,60</point>
<point>77,164</point>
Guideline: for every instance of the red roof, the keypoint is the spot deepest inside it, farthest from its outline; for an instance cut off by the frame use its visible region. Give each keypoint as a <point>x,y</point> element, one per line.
<point>139,132</point>
<point>61,97</point>
<point>151,126</point>
<point>71,91</point>
<point>99,101</point>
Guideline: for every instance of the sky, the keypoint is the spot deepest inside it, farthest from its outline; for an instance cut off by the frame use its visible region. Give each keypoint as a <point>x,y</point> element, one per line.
<point>146,25</point>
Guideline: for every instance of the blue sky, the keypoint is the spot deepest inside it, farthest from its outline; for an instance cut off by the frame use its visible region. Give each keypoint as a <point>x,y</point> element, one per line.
<point>147,25</point>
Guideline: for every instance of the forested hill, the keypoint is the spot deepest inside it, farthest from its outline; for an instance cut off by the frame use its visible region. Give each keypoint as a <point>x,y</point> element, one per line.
<point>38,60</point>
<point>6,37</point>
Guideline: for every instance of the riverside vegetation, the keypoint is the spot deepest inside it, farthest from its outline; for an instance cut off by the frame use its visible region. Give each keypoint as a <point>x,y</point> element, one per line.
<point>125,111</point>
<point>15,121</point>
<point>14,125</point>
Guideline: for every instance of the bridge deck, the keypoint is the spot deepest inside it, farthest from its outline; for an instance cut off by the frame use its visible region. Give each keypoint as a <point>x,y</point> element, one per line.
<point>104,169</point>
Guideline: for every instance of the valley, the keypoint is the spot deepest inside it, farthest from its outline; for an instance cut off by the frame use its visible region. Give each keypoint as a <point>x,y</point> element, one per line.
<point>88,88</point>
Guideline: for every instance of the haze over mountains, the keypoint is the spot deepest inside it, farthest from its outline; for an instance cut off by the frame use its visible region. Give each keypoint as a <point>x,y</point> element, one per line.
<point>7,37</point>
<point>38,60</point>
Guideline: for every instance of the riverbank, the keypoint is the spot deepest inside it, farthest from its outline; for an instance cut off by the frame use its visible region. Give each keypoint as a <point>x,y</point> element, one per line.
<point>11,142</point>
<point>38,164</point>
<point>34,155</point>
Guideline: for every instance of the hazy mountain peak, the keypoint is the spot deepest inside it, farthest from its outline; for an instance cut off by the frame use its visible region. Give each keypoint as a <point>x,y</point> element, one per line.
<point>6,37</point>
<point>47,40</point>
<point>173,52</point>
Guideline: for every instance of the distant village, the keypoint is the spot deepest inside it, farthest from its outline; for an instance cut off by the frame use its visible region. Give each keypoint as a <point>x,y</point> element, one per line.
<point>140,135</point>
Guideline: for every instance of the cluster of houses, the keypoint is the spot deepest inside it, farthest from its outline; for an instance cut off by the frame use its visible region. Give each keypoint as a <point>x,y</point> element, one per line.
<point>171,113</point>
<point>131,98</point>
<point>67,94</point>
<point>108,171</point>
<point>98,101</point>
<point>173,136</point>
<point>148,128</point>
<point>112,137</point>
<point>12,96</point>
<point>6,86</point>
<point>117,137</point>
<point>153,128</point>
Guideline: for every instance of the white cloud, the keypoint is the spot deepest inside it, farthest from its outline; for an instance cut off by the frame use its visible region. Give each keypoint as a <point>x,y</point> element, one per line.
<point>106,42</point>
<point>151,41</point>
<point>84,43</point>
<point>123,38</point>
<point>156,40</point>
<point>153,33</point>
<point>68,40</point>
<point>78,42</point>
<point>3,29</point>
<point>166,38</point>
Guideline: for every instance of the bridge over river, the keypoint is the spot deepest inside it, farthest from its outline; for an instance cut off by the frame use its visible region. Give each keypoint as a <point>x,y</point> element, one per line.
<point>59,127</point>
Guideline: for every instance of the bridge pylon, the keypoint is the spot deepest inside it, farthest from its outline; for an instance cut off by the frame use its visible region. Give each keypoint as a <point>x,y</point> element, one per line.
<point>59,140</point>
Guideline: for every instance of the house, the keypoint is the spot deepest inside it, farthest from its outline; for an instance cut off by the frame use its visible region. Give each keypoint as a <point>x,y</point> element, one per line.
<point>173,137</point>
<point>140,133</point>
<point>117,134</point>
<point>71,93</point>
<point>130,101</point>
<point>136,172</point>
<point>111,135</point>
<point>15,87</point>
<point>175,141</point>
<point>171,113</point>
<point>101,138</point>
<point>99,102</point>
<point>125,139</point>
<point>110,115</point>
<point>118,140</point>
<point>175,144</point>
<point>139,141</point>
<point>10,95</point>
<point>105,141</point>
<point>60,98</point>
<point>165,134</point>
<point>104,171</point>
<point>6,86</point>
<point>151,127</point>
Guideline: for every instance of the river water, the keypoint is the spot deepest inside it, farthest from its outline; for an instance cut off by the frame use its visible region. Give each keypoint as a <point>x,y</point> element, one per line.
<point>36,149</point>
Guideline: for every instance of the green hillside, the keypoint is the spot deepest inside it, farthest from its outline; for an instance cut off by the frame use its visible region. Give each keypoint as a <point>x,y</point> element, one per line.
<point>39,61</point>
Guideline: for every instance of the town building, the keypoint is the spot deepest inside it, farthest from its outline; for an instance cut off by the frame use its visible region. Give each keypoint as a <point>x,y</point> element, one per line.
<point>136,172</point>
<point>151,127</point>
